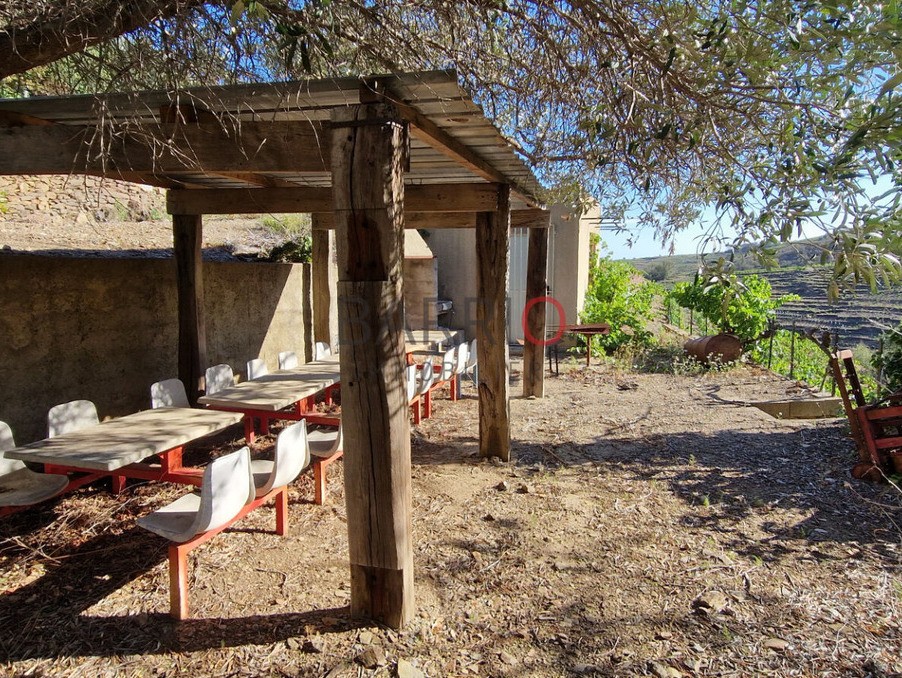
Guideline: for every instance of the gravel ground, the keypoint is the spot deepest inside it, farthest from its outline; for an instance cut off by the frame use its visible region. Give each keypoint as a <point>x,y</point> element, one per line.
<point>651,524</point>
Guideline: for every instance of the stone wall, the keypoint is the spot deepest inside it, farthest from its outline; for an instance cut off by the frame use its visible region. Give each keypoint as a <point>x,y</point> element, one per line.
<point>81,199</point>
<point>105,329</point>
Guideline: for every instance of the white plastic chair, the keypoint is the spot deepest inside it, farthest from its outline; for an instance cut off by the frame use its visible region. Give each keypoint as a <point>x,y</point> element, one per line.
<point>423,391</point>
<point>471,369</point>
<point>321,350</point>
<point>449,362</point>
<point>19,485</point>
<point>219,377</point>
<point>168,393</point>
<point>326,446</point>
<point>410,374</point>
<point>256,368</point>
<point>460,364</point>
<point>226,489</point>
<point>288,360</point>
<point>71,416</point>
<point>291,456</point>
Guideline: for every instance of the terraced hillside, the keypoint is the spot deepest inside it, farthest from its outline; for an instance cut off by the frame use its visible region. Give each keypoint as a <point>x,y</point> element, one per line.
<point>857,318</point>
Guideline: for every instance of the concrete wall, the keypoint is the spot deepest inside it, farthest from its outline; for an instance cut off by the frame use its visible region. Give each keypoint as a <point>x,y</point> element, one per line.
<point>420,283</point>
<point>569,268</point>
<point>420,293</point>
<point>105,329</point>
<point>455,253</point>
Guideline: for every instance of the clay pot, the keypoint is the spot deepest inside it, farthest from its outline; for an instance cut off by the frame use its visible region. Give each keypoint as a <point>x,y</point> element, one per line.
<point>723,348</point>
<point>896,458</point>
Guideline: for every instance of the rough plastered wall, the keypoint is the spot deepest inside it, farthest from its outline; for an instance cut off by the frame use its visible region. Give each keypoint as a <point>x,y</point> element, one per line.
<point>420,283</point>
<point>455,252</point>
<point>78,198</point>
<point>570,265</point>
<point>105,329</point>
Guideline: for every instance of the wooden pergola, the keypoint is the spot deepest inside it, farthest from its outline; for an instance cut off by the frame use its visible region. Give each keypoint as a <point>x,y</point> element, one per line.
<point>366,157</point>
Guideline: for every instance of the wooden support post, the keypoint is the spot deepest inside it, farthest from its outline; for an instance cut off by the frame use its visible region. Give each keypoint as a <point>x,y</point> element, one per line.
<point>325,284</point>
<point>187,233</point>
<point>536,288</point>
<point>492,258</point>
<point>369,151</point>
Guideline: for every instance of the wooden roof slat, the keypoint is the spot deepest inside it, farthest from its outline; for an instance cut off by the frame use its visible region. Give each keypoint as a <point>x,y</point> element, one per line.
<point>452,141</point>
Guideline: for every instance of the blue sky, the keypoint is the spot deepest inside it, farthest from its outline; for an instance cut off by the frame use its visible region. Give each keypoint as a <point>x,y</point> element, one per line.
<point>644,243</point>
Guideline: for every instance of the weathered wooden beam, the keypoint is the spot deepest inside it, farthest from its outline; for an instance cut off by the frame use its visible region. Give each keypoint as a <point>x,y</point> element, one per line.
<point>492,259</point>
<point>531,218</point>
<point>536,288</point>
<point>424,198</point>
<point>325,283</point>
<point>158,149</point>
<point>369,149</point>
<point>250,200</point>
<point>257,179</point>
<point>187,231</point>
<point>429,133</point>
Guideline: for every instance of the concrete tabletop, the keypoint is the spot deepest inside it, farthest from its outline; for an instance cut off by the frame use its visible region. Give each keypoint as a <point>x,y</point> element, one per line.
<point>126,440</point>
<point>278,390</point>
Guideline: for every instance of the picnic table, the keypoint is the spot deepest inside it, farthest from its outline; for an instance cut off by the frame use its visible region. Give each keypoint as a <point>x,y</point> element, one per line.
<point>279,395</point>
<point>118,446</point>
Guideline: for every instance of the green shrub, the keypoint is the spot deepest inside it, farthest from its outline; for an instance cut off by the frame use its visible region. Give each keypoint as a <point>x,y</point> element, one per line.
<point>888,360</point>
<point>619,295</point>
<point>297,251</point>
<point>734,305</point>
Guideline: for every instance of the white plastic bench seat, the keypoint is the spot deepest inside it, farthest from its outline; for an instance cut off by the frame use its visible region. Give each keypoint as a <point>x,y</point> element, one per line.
<point>288,360</point>
<point>291,456</point>
<point>326,446</point>
<point>19,485</point>
<point>227,494</point>
<point>168,393</point>
<point>72,416</point>
<point>226,487</point>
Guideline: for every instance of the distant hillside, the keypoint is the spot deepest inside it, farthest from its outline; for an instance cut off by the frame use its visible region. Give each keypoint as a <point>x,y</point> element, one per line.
<point>680,267</point>
<point>856,318</point>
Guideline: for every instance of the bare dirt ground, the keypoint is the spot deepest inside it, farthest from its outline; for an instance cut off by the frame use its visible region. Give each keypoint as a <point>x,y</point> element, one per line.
<point>651,524</point>
<point>223,237</point>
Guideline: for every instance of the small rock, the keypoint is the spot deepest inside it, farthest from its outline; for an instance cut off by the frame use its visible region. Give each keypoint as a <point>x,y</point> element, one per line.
<point>711,601</point>
<point>366,638</point>
<point>526,489</point>
<point>407,670</point>
<point>293,644</point>
<point>371,657</point>
<point>496,461</point>
<point>586,669</point>
<point>661,670</point>
<point>663,635</point>
<point>507,658</point>
<point>313,645</point>
<point>776,644</point>
<point>488,517</point>
<point>502,486</point>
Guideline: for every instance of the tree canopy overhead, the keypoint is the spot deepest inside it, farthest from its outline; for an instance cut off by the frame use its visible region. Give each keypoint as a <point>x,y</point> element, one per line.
<point>782,113</point>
